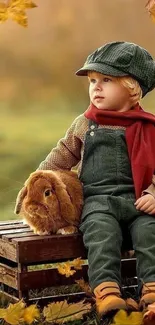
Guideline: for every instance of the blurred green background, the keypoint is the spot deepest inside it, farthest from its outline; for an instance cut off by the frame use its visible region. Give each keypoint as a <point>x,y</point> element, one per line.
<point>39,92</point>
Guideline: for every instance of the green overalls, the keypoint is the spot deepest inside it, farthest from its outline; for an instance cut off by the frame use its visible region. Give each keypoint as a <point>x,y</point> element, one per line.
<point>109,206</point>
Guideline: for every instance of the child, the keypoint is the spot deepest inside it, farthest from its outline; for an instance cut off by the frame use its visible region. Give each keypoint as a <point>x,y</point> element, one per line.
<point>113,143</point>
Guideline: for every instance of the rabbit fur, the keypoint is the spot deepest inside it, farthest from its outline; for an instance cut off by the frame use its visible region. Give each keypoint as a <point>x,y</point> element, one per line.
<point>51,202</point>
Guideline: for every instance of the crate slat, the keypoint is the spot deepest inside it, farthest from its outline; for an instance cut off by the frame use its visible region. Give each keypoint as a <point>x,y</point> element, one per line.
<point>46,248</point>
<point>14,231</point>
<point>8,250</point>
<point>8,275</point>
<point>19,235</point>
<point>14,226</point>
<point>48,278</point>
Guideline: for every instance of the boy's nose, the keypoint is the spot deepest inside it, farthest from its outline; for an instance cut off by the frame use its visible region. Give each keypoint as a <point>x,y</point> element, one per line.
<point>97,86</point>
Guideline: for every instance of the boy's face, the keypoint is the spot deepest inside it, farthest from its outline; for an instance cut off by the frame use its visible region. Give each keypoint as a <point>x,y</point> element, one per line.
<point>107,93</point>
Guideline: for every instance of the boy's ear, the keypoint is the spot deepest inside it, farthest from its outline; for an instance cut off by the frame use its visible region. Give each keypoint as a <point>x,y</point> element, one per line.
<point>20,197</point>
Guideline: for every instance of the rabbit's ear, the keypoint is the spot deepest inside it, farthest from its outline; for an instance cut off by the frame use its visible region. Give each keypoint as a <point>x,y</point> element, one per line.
<point>19,200</point>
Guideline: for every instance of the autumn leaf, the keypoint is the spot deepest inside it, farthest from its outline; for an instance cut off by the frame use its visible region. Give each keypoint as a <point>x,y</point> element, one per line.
<point>14,313</point>
<point>61,312</point>
<point>84,286</point>
<point>150,6</point>
<point>65,269</point>
<point>77,263</point>
<point>31,314</point>
<point>122,318</point>
<point>2,312</point>
<point>15,9</point>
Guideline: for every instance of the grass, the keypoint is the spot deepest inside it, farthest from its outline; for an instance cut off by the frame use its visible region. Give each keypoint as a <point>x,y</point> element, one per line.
<point>25,140</point>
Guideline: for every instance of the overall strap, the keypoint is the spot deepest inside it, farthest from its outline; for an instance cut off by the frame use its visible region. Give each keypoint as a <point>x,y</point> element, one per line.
<point>93,125</point>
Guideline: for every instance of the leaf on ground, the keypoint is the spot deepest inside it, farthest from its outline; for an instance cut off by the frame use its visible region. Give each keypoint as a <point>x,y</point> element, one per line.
<point>31,314</point>
<point>150,6</point>
<point>61,312</point>
<point>122,318</point>
<point>14,313</point>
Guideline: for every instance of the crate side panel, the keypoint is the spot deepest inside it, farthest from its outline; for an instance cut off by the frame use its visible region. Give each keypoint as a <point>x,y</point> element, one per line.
<point>50,248</point>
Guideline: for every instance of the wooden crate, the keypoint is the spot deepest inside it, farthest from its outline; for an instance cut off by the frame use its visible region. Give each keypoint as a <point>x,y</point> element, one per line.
<point>20,248</point>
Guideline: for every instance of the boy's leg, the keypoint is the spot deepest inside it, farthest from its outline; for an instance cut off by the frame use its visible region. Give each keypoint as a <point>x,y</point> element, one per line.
<point>103,238</point>
<point>143,237</point>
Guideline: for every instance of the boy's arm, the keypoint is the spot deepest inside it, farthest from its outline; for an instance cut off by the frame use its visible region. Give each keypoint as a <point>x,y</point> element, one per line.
<point>151,188</point>
<point>67,153</point>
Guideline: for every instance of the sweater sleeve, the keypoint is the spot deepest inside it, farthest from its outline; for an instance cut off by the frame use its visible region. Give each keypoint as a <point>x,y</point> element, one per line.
<point>151,188</point>
<point>67,153</point>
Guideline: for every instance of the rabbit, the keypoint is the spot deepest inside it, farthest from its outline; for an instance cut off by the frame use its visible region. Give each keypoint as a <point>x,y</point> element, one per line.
<point>51,202</point>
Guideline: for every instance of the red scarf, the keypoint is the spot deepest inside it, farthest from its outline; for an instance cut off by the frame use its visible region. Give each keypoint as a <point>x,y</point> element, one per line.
<point>140,138</point>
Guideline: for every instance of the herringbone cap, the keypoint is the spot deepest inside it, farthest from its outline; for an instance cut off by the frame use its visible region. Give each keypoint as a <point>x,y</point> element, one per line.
<point>122,59</point>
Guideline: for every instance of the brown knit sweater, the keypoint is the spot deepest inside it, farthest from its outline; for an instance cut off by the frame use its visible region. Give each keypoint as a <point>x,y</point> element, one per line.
<point>69,150</point>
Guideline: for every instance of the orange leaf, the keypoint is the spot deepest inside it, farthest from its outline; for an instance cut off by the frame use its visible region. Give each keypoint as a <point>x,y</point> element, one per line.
<point>150,6</point>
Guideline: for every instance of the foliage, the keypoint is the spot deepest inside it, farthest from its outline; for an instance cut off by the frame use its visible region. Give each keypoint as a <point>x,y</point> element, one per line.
<point>56,312</point>
<point>66,268</point>
<point>151,8</point>
<point>15,9</point>
<point>122,318</point>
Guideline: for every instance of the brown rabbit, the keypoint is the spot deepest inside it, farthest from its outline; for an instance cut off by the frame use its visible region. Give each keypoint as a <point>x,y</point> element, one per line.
<point>51,202</point>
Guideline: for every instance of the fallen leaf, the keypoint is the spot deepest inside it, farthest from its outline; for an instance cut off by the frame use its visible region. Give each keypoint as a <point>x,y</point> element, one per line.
<point>14,313</point>
<point>122,318</point>
<point>61,312</point>
<point>31,314</point>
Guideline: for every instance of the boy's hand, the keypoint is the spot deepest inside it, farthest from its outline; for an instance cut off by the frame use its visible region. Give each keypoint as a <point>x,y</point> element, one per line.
<point>146,203</point>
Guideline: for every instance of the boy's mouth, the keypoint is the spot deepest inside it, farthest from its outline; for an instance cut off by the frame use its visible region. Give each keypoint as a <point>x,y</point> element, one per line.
<point>98,97</point>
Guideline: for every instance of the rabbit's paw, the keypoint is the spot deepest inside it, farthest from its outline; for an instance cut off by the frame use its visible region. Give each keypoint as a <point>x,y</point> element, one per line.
<point>40,232</point>
<point>67,230</point>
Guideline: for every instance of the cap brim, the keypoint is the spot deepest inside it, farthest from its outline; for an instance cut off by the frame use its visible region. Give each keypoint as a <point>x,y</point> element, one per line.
<point>100,67</point>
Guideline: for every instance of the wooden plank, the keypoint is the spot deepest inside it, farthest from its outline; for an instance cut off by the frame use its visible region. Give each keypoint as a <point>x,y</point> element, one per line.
<point>8,250</point>
<point>46,248</point>
<point>48,278</point>
<point>14,231</point>
<point>8,275</point>
<point>19,235</point>
<point>6,297</point>
<point>15,226</point>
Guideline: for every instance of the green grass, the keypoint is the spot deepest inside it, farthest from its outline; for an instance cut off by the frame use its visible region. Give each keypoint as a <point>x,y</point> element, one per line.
<point>25,140</point>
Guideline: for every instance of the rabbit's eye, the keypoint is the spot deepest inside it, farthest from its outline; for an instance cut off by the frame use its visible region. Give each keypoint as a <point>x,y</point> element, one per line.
<point>47,192</point>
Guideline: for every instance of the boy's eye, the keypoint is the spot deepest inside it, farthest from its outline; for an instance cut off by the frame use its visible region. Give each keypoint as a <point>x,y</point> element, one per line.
<point>92,80</point>
<point>106,79</point>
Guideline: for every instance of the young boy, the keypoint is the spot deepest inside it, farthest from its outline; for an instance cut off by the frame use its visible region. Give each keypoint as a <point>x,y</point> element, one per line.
<point>113,145</point>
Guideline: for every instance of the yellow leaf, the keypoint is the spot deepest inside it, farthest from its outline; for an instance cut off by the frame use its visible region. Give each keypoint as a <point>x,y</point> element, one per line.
<point>61,312</point>
<point>19,16</point>
<point>23,4</point>
<point>65,269</point>
<point>31,313</point>
<point>150,6</point>
<point>3,12</point>
<point>2,312</point>
<point>77,263</point>
<point>84,286</point>
<point>122,318</point>
<point>15,9</point>
<point>14,313</point>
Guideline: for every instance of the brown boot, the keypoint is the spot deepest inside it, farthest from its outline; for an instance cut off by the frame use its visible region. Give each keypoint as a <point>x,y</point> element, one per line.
<point>148,294</point>
<point>108,297</point>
